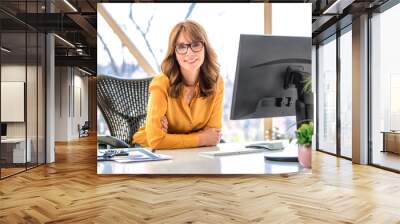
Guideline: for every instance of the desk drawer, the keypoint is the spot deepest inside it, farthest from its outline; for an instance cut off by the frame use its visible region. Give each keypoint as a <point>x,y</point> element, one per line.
<point>6,154</point>
<point>392,141</point>
<point>15,152</point>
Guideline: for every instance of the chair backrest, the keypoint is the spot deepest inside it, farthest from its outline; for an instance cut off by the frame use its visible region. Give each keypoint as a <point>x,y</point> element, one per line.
<point>123,103</point>
<point>86,125</point>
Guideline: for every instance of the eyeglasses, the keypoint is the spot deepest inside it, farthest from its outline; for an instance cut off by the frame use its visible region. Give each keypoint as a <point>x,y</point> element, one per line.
<point>183,48</point>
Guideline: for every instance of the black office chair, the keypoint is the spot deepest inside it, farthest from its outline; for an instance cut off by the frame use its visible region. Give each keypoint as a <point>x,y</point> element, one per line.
<point>84,129</point>
<point>123,103</point>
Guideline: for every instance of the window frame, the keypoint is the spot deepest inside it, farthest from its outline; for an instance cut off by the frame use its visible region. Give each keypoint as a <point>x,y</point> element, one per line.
<point>334,37</point>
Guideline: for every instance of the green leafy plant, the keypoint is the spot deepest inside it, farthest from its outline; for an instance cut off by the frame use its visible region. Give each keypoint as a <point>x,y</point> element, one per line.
<point>304,134</point>
<point>307,84</point>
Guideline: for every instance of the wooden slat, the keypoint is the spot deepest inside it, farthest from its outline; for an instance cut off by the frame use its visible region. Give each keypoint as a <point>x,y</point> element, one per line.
<point>126,40</point>
<point>268,18</point>
<point>268,30</point>
<point>70,191</point>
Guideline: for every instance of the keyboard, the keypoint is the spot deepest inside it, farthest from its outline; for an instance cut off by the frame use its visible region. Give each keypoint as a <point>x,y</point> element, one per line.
<point>234,152</point>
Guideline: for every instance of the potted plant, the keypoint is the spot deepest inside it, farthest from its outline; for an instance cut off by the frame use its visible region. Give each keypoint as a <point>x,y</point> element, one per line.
<point>307,90</point>
<point>304,139</point>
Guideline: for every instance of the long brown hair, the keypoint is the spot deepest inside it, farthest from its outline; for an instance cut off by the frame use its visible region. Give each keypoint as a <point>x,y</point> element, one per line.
<point>209,70</point>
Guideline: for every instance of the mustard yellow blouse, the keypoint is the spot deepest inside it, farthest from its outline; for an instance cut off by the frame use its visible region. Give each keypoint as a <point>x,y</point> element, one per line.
<point>184,120</point>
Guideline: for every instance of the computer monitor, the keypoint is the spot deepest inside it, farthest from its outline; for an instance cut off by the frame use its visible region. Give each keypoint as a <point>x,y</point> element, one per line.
<point>270,76</point>
<point>3,129</point>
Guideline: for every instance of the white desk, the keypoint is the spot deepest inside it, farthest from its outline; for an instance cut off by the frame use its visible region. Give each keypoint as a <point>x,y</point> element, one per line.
<point>18,150</point>
<point>189,161</point>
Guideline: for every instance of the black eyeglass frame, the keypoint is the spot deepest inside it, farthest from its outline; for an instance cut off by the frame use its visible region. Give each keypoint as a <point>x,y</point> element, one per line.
<point>189,45</point>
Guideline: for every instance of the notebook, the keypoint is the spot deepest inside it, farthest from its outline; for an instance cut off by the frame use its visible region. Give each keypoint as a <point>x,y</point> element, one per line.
<point>126,155</point>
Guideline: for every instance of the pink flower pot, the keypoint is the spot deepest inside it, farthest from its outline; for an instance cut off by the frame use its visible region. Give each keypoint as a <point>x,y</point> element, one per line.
<point>305,156</point>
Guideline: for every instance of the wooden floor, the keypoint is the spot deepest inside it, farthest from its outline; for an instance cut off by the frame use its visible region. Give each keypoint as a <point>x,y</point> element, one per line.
<point>10,171</point>
<point>70,191</point>
<point>5,172</point>
<point>386,159</point>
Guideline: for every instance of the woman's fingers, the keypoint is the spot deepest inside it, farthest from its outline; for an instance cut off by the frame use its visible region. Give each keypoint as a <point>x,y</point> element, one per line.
<point>164,123</point>
<point>216,129</point>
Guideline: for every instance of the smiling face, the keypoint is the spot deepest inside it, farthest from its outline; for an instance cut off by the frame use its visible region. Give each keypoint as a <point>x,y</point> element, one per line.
<point>191,61</point>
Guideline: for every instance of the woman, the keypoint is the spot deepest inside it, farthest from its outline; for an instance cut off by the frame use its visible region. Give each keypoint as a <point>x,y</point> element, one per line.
<point>185,104</point>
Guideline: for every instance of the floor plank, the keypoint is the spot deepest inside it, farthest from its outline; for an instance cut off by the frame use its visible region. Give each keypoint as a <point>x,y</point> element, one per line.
<point>70,191</point>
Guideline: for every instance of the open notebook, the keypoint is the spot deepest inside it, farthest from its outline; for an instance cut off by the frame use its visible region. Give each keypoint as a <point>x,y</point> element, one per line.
<point>252,148</point>
<point>125,155</point>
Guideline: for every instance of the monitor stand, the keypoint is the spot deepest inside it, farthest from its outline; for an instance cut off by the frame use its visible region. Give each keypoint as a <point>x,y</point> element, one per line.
<point>271,146</point>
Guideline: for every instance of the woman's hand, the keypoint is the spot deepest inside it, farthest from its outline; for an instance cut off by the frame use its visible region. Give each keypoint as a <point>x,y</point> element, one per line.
<point>164,124</point>
<point>209,137</point>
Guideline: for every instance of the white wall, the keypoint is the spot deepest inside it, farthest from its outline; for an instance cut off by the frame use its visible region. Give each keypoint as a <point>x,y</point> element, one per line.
<point>12,101</point>
<point>70,83</point>
<point>61,103</point>
<point>12,73</point>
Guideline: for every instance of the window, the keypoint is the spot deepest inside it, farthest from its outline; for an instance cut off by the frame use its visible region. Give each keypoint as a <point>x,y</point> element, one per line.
<point>385,85</point>
<point>334,106</point>
<point>346,93</point>
<point>327,96</point>
<point>298,25</point>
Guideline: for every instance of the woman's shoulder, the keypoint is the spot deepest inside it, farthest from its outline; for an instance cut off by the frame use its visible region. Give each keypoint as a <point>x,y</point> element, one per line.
<point>160,81</point>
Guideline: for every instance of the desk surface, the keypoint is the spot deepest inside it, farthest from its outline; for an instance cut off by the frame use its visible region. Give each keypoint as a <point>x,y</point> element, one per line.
<point>189,161</point>
<point>13,140</point>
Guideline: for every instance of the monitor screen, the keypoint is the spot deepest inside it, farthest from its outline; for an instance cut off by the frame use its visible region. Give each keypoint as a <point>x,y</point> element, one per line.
<point>3,129</point>
<point>262,66</point>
